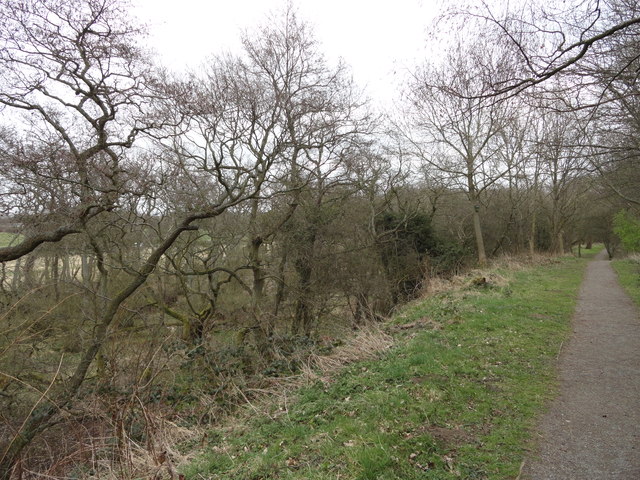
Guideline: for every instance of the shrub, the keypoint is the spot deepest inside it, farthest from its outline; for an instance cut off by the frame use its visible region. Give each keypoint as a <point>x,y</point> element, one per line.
<point>627,228</point>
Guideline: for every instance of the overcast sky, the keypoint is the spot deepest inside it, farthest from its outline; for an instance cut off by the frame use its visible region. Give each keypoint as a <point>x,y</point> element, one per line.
<point>377,38</point>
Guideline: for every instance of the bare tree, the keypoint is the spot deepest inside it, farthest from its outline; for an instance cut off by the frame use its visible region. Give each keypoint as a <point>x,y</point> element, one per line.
<point>451,127</point>
<point>77,74</point>
<point>580,56</point>
<point>75,87</point>
<point>294,108</point>
<point>562,167</point>
<point>552,41</point>
<point>514,209</point>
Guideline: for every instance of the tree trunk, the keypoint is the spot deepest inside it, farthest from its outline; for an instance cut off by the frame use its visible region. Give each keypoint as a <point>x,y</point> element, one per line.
<point>303,320</point>
<point>15,281</point>
<point>86,269</point>
<point>477,230</point>
<point>29,280</point>
<point>65,274</point>
<point>280,290</point>
<point>45,275</point>
<point>55,276</point>
<point>263,323</point>
<point>474,198</point>
<point>259,275</point>
<point>532,236</point>
<point>560,242</point>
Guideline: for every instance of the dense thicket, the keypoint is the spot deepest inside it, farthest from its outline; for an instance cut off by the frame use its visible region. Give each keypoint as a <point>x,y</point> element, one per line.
<point>170,242</point>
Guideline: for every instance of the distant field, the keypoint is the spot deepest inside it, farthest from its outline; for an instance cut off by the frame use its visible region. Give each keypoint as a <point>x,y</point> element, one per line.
<point>7,239</point>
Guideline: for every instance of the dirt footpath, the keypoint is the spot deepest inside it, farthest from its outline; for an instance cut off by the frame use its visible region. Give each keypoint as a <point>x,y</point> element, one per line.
<point>592,430</point>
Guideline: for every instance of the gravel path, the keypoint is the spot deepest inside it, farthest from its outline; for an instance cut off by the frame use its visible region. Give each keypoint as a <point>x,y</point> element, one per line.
<point>592,430</point>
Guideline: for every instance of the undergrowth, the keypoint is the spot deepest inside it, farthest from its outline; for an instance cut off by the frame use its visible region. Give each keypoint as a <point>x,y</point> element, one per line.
<point>454,397</point>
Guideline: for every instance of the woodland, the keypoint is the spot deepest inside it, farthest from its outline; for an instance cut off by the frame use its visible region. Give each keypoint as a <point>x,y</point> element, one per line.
<point>169,242</point>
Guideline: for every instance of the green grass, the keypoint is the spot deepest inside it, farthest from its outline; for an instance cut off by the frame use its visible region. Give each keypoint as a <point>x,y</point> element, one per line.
<point>455,398</point>
<point>628,270</point>
<point>8,239</point>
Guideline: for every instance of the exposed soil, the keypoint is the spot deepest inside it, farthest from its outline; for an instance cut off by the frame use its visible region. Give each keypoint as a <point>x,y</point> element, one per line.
<point>592,429</point>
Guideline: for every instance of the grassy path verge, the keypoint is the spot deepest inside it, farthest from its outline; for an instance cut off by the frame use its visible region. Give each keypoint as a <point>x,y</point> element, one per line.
<point>628,270</point>
<point>454,398</point>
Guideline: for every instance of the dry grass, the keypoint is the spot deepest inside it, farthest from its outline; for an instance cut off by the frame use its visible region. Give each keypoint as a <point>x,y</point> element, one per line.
<point>94,447</point>
<point>491,273</point>
<point>366,344</point>
<point>156,460</point>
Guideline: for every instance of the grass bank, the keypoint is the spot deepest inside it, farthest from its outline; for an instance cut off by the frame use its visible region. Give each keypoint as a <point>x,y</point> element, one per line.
<point>454,397</point>
<point>628,270</point>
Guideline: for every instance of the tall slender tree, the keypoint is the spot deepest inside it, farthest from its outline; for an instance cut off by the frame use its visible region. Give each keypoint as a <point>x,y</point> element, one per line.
<point>453,129</point>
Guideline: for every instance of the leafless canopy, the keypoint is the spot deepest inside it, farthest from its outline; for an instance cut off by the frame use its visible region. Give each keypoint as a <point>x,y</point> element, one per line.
<point>552,40</point>
<point>74,91</point>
